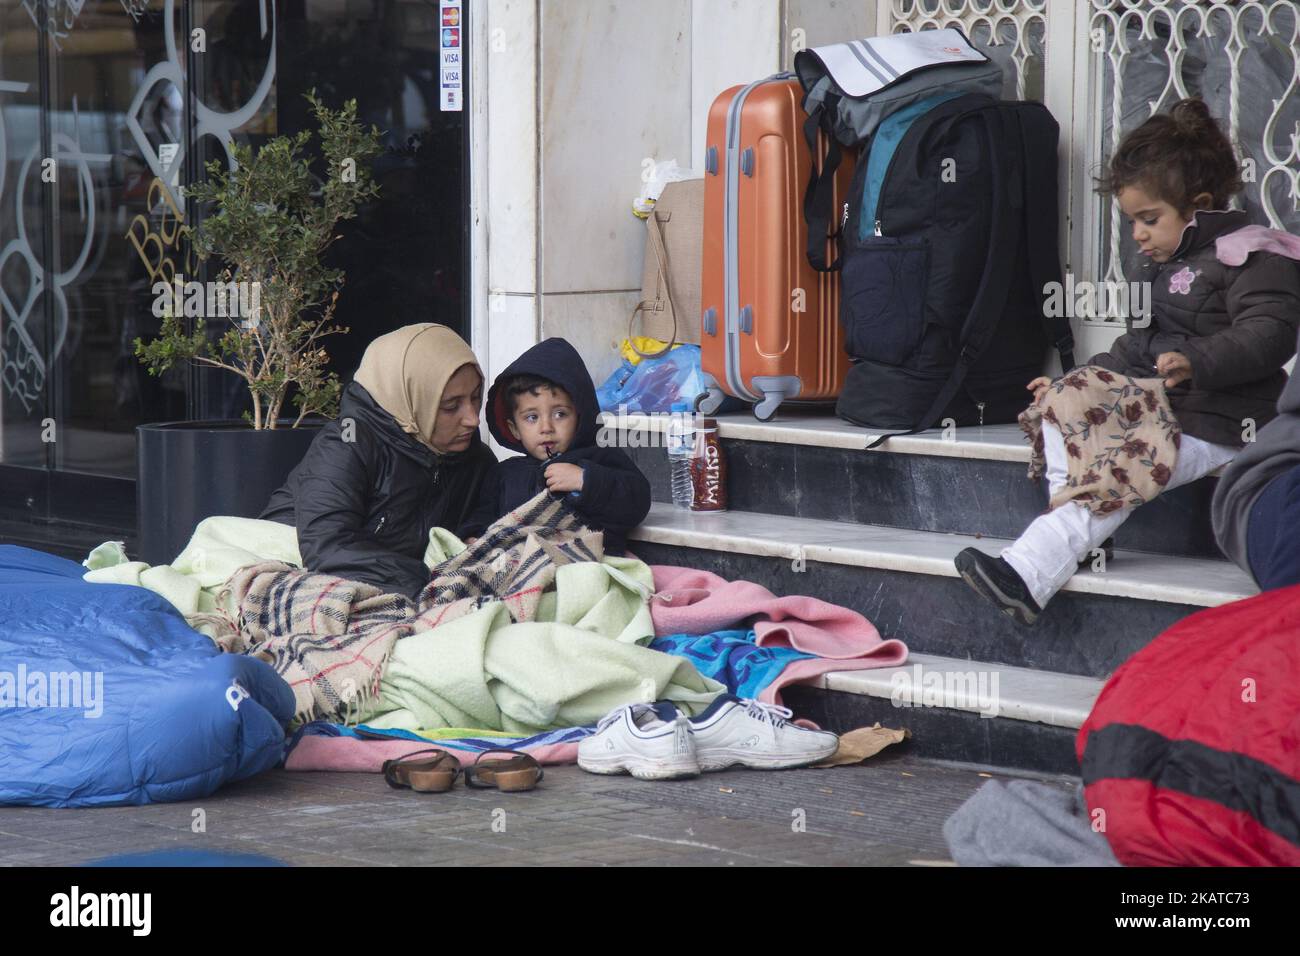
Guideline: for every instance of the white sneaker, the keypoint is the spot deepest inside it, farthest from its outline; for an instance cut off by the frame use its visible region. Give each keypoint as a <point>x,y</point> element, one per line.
<point>754,734</point>
<point>636,739</point>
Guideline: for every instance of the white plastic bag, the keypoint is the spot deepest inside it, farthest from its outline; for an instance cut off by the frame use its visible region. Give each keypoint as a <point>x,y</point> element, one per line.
<point>654,179</point>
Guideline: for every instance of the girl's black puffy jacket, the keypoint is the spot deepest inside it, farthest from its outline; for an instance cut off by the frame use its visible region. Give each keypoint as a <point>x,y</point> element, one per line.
<point>1236,325</point>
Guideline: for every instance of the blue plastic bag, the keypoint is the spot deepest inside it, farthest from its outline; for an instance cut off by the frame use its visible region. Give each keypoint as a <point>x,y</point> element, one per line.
<point>654,384</point>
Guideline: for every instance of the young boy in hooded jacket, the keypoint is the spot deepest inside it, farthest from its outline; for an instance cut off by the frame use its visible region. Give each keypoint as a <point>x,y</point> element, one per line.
<point>544,405</point>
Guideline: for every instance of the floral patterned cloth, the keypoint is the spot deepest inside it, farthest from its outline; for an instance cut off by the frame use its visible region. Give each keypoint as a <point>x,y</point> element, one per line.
<point>1121,437</point>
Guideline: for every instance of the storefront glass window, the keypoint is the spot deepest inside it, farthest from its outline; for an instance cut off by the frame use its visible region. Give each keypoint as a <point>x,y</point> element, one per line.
<point>96,143</point>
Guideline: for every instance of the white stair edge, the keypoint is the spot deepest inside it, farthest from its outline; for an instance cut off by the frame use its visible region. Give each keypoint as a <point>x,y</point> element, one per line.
<point>1202,582</point>
<point>986,443</point>
<point>992,442</point>
<point>991,690</point>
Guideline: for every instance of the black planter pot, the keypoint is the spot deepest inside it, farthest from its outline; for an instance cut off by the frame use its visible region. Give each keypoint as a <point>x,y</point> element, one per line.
<point>189,471</point>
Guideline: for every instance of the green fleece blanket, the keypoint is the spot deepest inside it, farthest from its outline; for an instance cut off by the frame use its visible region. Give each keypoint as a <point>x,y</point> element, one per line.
<point>578,660</point>
<point>195,581</point>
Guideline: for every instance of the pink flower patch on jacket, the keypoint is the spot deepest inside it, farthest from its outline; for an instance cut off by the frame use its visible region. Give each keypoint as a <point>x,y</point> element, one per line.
<point>1181,281</point>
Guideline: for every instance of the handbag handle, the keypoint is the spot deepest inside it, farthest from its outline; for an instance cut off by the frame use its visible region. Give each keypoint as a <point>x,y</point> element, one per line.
<point>656,239</point>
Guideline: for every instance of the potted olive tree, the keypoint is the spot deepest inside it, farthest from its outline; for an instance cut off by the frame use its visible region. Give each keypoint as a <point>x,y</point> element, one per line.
<point>270,221</point>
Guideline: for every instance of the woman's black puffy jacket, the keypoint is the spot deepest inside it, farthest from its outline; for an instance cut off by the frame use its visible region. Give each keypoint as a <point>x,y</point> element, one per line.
<point>366,494</point>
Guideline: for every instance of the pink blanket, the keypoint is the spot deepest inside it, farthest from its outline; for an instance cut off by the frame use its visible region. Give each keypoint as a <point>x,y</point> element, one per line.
<point>688,601</point>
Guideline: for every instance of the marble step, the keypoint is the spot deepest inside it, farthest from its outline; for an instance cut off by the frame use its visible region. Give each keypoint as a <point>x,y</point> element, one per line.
<point>823,429</point>
<point>958,709</point>
<point>904,581</point>
<point>966,481</point>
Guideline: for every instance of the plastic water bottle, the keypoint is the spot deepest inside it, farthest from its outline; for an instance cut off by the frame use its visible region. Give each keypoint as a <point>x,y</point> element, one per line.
<point>681,444</point>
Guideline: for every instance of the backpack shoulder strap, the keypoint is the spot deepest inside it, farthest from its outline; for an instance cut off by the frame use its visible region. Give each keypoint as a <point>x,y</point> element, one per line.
<point>820,194</point>
<point>1038,138</point>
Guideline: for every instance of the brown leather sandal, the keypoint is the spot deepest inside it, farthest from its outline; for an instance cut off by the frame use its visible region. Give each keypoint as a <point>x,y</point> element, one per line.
<point>520,772</point>
<point>430,775</point>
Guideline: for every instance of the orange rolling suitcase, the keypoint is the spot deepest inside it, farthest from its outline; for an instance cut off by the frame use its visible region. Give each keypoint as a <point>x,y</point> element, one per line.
<point>770,330</point>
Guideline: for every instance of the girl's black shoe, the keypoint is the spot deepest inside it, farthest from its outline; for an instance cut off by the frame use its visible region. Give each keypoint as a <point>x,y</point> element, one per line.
<point>998,582</point>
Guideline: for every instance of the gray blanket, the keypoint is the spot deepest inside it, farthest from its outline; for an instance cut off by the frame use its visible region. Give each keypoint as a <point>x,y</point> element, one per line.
<point>1024,823</point>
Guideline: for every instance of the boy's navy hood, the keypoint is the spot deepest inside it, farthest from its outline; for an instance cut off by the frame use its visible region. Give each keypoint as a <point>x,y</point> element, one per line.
<point>554,359</point>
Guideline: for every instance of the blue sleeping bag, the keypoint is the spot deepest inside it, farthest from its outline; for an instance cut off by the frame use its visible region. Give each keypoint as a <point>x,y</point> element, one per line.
<point>108,697</point>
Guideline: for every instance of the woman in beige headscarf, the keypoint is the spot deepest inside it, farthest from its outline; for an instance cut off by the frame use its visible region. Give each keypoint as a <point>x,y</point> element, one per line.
<point>404,456</point>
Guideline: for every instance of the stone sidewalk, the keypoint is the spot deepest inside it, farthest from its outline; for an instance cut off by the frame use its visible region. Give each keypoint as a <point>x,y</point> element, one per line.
<point>887,812</point>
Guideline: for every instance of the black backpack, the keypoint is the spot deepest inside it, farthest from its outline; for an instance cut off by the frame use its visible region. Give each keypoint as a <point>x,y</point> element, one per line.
<point>942,297</point>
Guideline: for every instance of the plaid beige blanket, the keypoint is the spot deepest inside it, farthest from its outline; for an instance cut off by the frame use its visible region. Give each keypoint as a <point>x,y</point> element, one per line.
<point>330,638</point>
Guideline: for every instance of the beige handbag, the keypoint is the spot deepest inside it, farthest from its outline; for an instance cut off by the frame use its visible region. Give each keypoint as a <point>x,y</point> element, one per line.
<point>670,281</point>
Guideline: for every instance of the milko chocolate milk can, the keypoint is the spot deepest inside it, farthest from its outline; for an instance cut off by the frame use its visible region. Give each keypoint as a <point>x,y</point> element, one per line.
<point>708,469</point>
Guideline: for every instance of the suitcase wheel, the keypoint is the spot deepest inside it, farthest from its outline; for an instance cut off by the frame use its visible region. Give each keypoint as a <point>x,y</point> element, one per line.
<point>765,409</point>
<point>710,401</point>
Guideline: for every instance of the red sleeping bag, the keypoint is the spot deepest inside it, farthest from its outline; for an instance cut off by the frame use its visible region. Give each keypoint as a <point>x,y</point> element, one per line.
<point>1192,752</point>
